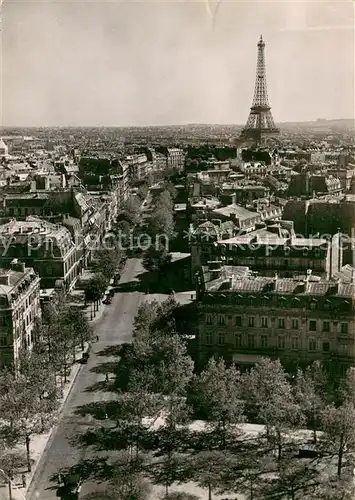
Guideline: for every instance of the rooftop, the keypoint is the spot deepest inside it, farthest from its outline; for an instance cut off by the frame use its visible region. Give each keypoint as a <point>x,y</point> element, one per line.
<point>230,282</point>
<point>236,210</point>
<point>14,277</point>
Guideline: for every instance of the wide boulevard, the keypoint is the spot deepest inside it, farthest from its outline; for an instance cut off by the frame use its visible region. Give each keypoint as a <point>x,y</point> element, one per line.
<point>114,327</point>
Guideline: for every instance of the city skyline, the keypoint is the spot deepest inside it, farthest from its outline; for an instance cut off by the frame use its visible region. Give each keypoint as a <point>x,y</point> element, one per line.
<point>159,64</point>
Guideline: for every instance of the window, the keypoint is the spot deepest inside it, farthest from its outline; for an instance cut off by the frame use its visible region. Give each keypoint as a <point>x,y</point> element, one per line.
<point>264,341</point>
<point>312,345</point>
<point>208,338</point>
<point>326,326</point>
<point>326,347</point>
<point>221,338</point>
<point>295,324</point>
<point>281,323</point>
<point>251,321</point>
<point>238,321</point>
<point>281,342</point>
<point>313,325</point>
<point>237,340</point>
<point>49,270</point>
<point>208,319</point>
<point>3,341</point>
<point>294,342</point>
<point>264,322</point>
<point>313,304</point>
<point>221,320</point>
<point>344,328</point>
<point>251,341</point>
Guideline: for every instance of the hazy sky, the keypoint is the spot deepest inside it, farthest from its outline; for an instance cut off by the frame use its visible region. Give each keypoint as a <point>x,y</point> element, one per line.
<point>167,62</point>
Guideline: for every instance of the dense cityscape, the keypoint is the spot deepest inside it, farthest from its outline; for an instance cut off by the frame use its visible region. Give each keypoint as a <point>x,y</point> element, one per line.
<point>177,310</point>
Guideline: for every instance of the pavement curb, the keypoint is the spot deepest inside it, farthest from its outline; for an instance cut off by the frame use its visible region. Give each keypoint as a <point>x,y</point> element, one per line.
<point>76,371</point>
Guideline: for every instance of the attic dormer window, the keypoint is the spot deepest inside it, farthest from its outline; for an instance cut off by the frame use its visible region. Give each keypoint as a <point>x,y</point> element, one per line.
<point>313,303</point>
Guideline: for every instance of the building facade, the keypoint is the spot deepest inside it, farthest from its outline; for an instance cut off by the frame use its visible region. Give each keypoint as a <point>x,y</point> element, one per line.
<point>175,159</point>
<point>243,317</point>
<point>19,310</point>
<point>46,247</point>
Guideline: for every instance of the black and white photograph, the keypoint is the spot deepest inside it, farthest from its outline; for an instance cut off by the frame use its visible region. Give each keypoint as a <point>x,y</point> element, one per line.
<point>177,250</point>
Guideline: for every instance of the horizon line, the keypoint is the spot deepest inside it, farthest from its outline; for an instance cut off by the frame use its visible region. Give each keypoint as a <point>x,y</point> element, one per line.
<point>320,120</point>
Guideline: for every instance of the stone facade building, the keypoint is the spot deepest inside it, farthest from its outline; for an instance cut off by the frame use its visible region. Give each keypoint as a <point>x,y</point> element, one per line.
<point>243,317</point>
<point>19,309</point>
<point>46,247</point>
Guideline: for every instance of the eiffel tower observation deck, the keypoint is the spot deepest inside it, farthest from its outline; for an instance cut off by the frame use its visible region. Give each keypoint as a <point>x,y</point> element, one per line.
<point>260,123</point>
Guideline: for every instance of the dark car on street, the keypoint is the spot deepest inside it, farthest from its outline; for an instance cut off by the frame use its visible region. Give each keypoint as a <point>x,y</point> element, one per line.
<point>84,358</point>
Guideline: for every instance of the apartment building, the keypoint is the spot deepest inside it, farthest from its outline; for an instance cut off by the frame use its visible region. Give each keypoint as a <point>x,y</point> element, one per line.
<point>19,309</point>
<point>46,247</point>
<point>272,248</point>
<point>175,159</point>
<point>243,317</point>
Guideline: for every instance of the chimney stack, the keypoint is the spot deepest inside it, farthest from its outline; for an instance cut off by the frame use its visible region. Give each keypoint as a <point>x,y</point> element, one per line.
<point>18,266</point>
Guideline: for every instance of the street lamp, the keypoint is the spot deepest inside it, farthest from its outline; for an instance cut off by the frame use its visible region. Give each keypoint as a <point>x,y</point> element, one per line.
<point>9,482</point>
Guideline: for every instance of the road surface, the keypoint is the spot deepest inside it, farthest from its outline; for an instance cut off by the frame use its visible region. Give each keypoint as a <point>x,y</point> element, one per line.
<point>114,327</point>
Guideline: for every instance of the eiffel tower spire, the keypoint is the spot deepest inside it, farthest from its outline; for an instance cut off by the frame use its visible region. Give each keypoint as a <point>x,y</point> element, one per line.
<point>260,122</point>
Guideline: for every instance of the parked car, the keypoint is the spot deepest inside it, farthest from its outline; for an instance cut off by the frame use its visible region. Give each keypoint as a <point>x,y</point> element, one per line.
<point>108,300</point>
<point>84,358</point>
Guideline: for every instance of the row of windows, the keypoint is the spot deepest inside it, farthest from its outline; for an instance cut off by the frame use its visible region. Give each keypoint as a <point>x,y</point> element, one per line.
<point>265,322</point>
<point>263,342</point>
<point>284,302</point>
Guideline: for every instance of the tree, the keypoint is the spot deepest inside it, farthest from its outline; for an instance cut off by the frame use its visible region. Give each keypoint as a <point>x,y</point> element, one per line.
<point>293,479</point>
<point>95,288</point>
<point>127,483</point>
<point>23,411</point>
<point>170,188</point>
<point>161,365</point>
<point>346,391</point>
<point>165,322</point>
<point>179,495</point>
<point>79,326</point>
<point>155,259</point>
<point>143,191</point>
<point>218,393</point>
<point>208,468</point>
<point>145,318</point>
<point>164,202</point>
<point>310,394</point>
<point>107,261</point>
<point>130,210</point>
<point>161,223</point>
<point>268,389</point>
<point>10,462</point>
<point>338,437</point>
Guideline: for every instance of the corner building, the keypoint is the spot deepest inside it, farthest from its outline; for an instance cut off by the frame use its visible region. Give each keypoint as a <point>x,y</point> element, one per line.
<point>298,320</point>
<point>19,309</point>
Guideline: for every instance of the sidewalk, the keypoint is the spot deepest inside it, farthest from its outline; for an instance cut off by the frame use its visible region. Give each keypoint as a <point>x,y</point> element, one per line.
<point>39,442</point>
<point>79,301</point>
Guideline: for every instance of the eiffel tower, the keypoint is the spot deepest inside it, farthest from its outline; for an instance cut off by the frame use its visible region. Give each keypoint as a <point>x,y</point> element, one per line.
<point>260,122</point>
